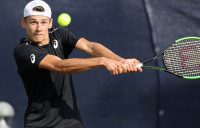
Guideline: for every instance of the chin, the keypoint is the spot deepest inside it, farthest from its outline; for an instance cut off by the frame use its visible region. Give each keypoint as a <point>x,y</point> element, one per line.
<point>37,40</point>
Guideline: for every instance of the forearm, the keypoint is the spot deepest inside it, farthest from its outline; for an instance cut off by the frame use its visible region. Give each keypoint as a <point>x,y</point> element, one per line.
<point>78,65</point>
<point>54,63</point>
<point>99,50</point>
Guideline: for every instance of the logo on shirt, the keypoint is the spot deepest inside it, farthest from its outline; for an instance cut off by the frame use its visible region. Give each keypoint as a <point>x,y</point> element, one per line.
<point>55,44</point>
<point>32,57</point>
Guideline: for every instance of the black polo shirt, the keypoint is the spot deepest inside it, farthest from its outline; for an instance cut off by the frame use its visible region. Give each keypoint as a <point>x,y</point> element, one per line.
<point>51,99</point>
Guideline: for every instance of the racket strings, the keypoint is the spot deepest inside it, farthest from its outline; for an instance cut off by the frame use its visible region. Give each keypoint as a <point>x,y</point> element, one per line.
<point>183,58</point>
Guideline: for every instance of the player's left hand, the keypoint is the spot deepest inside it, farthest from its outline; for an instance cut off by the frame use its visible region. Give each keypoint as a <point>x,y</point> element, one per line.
<point>130,65</point>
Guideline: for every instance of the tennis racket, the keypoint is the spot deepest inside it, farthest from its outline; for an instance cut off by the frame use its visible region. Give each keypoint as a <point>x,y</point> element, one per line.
<point>181,58</point>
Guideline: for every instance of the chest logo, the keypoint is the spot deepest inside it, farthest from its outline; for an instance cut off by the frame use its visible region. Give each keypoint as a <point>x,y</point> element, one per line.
<point>55,44</point>
<point>32,57</point>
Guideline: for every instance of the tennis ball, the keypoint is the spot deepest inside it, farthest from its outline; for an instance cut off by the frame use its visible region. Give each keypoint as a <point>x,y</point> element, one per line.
<point>64,19</point>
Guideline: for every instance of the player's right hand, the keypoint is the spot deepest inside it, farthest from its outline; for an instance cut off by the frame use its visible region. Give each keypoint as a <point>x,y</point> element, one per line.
<point>113,66</point>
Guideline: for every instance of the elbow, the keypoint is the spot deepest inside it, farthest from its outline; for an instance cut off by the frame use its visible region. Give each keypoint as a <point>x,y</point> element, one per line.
<point>94,47</point>
<point>60,68</point>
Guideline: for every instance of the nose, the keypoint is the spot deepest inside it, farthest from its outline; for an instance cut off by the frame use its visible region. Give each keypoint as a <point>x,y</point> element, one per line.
<point>39,27</point>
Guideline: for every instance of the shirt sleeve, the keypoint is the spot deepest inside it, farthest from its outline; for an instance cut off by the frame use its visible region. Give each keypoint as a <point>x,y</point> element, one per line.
<point>28,57</point>
<point>70,38</point>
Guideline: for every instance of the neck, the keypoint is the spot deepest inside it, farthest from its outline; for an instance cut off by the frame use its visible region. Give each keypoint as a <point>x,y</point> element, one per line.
<point>40,43</point>
<point>43,43</point>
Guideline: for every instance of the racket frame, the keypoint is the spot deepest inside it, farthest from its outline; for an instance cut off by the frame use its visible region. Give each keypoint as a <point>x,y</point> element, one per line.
<point>162,53</point>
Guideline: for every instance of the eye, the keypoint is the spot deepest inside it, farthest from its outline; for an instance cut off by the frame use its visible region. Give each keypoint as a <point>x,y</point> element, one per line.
<point>33,22</point>
<point>44,22</point>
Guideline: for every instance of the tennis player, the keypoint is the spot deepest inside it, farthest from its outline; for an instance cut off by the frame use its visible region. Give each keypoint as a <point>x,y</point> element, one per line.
<point>44,67</point>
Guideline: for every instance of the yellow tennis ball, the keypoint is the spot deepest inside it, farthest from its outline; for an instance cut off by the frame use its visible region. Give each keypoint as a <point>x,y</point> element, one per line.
<point>64,19</point>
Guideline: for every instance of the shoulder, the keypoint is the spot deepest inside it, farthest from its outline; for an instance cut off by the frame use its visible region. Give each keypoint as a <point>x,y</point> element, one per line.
<point>20,46</point>
<point>58,31</point>
<point>25,49</point>
<point>28,53</point>
<point>62,32</point>
<point>23,46</point>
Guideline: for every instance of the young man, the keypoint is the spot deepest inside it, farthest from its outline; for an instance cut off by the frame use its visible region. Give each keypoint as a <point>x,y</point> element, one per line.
<point>43,64</point>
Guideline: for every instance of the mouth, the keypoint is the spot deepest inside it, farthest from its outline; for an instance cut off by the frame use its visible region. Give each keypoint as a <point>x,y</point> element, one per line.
<point>38,34</point>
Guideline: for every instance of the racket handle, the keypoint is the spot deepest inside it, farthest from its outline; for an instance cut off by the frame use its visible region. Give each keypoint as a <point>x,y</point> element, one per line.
<point>139,65</point>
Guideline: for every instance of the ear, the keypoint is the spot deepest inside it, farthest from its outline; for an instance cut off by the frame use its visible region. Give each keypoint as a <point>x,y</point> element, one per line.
<point>50,23</point>
<point>23,24</point>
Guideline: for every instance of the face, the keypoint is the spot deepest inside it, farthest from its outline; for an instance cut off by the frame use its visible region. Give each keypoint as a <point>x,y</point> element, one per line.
<point>37,28</point>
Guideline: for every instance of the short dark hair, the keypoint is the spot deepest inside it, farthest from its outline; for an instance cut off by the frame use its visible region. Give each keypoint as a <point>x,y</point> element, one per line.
<point>38,9</point>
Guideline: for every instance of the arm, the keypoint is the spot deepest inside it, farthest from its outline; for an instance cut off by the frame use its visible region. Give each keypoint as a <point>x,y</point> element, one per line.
<point>103,57</point>
<point>98,50</point>
<point>53,63</point>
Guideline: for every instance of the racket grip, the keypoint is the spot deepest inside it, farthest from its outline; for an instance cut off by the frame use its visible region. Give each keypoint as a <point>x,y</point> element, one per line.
<point>139,65</point>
